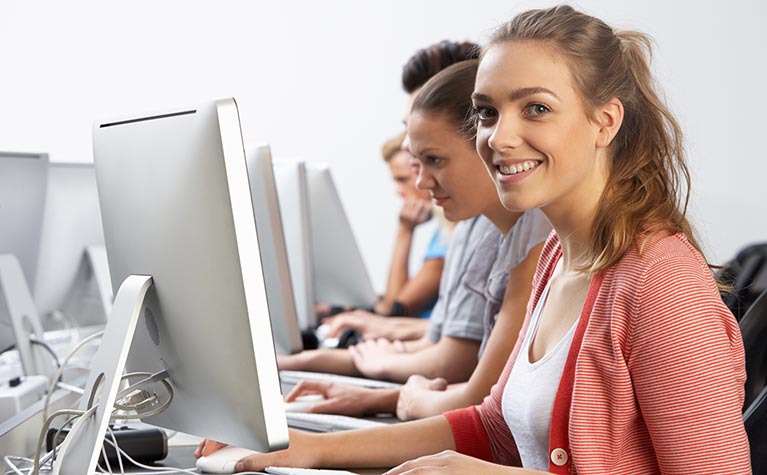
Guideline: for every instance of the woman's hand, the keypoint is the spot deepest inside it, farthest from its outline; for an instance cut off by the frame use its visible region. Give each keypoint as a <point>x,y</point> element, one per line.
<point>414,211</point>
<point>451,462</point>
<point>371,357</point>
<point>344,399</point>
<point>300,454</point>
<point>415,392</point>
<point>207,447</point>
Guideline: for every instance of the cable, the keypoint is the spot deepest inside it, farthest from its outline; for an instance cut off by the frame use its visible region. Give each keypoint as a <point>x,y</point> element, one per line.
<point>157,470</point>
<point>46,426</point>
<point>8,459</point>
<point>119,454</point>
<point>34,340</point>
<point>61,369</point>
<point>82,416</point>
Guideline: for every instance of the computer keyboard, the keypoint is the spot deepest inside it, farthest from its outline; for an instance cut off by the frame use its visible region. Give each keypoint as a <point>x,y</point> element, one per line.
<point>328,422</point>
<point>305,471</point>
<point>293,377</point>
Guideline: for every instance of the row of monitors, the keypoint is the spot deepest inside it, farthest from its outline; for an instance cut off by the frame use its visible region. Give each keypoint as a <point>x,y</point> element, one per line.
<point>52,225</point>
<point>193,231</point>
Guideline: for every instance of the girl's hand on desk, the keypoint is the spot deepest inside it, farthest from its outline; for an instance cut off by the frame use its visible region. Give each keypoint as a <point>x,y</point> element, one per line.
<point>344,399</point>
<point>370,357</point>
<point>415,391</point>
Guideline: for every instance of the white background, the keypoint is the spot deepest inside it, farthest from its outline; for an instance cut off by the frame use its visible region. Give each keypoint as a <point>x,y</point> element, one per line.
<point>320,80</point>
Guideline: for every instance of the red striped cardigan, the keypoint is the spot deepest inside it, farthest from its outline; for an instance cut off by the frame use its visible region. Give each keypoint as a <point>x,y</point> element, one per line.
<point>653,382</point>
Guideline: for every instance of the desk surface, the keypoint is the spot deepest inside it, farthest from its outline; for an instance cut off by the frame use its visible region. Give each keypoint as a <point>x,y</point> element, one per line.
<point>182,457</point>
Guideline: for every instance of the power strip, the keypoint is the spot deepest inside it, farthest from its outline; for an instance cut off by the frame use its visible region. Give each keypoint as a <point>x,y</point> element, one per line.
<point>20,393</point>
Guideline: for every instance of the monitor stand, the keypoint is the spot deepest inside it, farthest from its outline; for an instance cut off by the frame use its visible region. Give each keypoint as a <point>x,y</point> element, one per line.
<point>89,300</point>
<point>80,450</point>
<point>18,308</point>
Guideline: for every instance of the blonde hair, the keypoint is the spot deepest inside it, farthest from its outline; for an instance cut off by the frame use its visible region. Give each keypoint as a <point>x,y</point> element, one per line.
<point>392,146</point>
<point>648,184</point>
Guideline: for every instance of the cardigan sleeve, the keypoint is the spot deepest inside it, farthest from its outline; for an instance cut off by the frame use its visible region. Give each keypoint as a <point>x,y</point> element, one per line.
<point>686,360</point>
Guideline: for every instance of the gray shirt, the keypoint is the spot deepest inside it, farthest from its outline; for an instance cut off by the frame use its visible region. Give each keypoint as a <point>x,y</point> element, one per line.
<point>531,229</point>
<point>460,308</point>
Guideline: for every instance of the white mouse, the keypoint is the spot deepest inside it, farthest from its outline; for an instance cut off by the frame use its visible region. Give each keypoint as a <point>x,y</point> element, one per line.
<point>222,460</point>
<point>303,403</point>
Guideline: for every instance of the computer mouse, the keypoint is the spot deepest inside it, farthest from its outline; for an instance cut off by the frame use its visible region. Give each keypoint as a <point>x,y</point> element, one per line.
<point>222,460</point>
<point>349,337</point>
<point>303,403</point>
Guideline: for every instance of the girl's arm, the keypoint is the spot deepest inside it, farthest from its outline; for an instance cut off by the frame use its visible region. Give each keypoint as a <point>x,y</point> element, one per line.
<point>416,401</point>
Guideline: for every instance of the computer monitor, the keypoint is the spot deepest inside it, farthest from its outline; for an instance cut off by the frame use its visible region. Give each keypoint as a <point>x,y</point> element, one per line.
<point>274,258</point>
<point>290,179</point>
<point>72,271</point>
<point>23,179</point>
<point>340,274</point>
<point>183,250</point>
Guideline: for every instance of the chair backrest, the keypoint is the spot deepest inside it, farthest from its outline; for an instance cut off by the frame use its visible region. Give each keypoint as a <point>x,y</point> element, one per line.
<point>747,274</point>
<point>755,420</point>
<point>753,328</point>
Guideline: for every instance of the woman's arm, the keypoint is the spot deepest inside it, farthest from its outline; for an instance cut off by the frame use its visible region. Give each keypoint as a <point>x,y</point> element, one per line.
<point>422,288</point>
<point>325,361</point>
<point>416,401</point>
<point>451,358</point>
<point>413,212</point>
<point>685,357</point>
<point>379,447</point>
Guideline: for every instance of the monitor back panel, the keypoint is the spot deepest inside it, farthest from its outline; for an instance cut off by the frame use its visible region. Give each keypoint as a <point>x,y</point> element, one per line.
<point>340,274</point>
<point>176,205</point>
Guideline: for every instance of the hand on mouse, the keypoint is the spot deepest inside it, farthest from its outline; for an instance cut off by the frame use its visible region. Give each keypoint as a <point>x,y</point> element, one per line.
<point>346,400</point>
<point>207,447</point>
<point>303,452</point>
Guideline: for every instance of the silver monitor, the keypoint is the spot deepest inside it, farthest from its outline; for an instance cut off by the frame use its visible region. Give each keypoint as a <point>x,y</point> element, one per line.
<point>340,274</point>
<point>72,272</point>
<point>290,178</point>
<point>274,258</point>
<point>183,250</point>
<point>23,179</point>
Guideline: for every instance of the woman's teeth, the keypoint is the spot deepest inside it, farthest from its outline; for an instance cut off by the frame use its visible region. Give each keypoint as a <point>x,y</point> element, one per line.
<point>518,168</point>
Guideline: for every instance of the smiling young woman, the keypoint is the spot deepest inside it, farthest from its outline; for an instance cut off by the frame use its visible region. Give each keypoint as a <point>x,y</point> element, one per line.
<point>628,361</point>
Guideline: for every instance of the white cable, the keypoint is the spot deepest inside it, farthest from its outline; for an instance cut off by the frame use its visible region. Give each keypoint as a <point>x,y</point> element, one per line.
<point>60,370</point>
<point>117,452</point>
<point>44,430</point>
<point>157,470</point>
<point>8,461</point>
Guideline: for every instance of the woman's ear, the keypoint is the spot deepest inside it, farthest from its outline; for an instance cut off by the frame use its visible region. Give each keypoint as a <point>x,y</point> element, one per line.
<point>609,116</point>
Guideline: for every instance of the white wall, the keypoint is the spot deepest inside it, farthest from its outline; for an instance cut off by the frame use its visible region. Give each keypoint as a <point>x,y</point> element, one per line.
<point>320,80</point>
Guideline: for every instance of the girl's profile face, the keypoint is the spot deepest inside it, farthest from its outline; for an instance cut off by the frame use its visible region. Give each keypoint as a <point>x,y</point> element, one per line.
<point>404,176</point>
<point>449,167</point>
<point>534,135</point>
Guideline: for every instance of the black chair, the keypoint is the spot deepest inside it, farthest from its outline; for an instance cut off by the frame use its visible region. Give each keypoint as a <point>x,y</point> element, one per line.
<point>755,420</point>
<point>753,328</point>
<point>747,275</point>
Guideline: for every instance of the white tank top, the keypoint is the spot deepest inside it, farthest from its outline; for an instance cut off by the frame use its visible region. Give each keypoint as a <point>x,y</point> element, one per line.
<point>528,398</point>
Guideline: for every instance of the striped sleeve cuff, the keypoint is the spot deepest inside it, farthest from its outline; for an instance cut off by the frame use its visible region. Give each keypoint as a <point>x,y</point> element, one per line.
<point>469,433</point>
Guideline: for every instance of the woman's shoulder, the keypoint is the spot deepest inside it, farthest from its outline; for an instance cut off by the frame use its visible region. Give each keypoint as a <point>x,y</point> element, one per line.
<point>661,250</point>
<point>662,268</point>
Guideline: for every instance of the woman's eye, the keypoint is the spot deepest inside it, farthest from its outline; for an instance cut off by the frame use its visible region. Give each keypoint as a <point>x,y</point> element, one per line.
<point>484,113</point>
<point>434,160</point>
<point>537,109</point>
